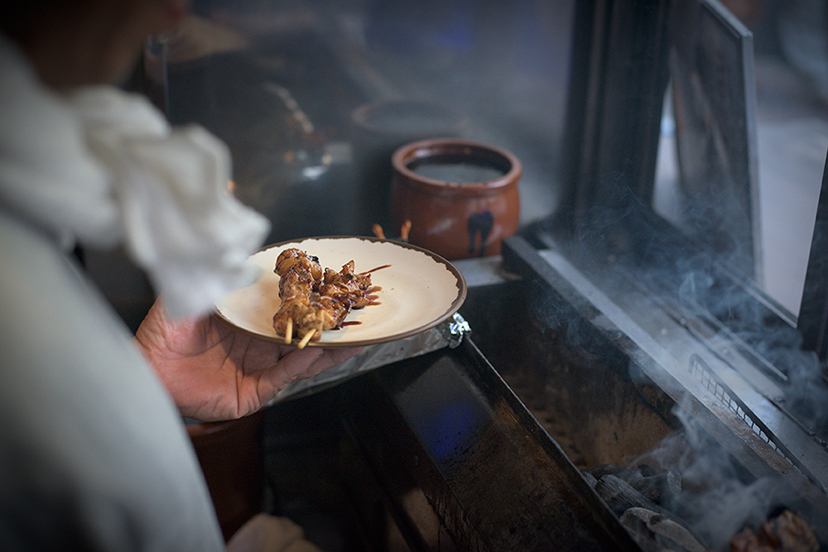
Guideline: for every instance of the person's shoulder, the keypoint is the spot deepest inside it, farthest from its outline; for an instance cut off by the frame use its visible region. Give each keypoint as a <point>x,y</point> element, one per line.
<point>34,270</point>
<point>24,246</point>
<point>50,310</point>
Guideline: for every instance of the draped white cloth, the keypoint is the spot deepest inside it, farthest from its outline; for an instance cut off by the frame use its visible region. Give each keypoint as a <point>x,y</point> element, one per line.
<point>103,167</point>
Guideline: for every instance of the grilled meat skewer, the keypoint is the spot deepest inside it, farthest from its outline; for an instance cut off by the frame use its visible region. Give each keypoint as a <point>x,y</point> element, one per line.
<point>338,292</point>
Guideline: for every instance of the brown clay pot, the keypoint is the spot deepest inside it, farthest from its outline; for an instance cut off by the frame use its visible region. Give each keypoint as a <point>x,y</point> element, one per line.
<point>461,196</point>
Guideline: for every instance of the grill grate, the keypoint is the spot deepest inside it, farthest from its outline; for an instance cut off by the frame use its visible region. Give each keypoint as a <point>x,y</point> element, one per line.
<point>713,383</point>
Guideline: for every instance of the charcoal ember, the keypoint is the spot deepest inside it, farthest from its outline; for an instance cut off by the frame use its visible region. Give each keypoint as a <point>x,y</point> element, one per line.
<point>786,532</point>
<point>748,541</point>
<point>790,533</point>
<point>646,471</point>
<point>624,500</point>
<point>655,531</point>
<point>589,478</point>
<point>620,496</point>
<point>659,488</point>
<point>610,469</point>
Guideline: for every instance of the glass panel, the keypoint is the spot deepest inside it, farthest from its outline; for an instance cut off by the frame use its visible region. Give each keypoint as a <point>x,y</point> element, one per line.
<point>791,78</point>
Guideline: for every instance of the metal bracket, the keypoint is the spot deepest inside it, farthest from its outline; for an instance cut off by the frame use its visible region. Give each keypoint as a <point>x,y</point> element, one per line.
<point>455,330</point>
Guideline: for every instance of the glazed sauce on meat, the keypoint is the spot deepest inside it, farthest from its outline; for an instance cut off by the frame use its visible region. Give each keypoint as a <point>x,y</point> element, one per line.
<point>372,299</point>
<point>346,323</point>
<point>375,269</point>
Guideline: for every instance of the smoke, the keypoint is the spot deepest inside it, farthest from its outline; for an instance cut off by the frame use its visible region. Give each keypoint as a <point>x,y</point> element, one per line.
<point>718,497</point>
<point>746,321</point>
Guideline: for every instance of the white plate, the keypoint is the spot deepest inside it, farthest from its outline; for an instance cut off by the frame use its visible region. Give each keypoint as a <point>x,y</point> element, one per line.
<point>419,290</point>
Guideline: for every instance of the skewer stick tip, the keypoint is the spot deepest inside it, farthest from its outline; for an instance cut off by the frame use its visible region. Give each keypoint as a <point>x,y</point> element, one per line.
<point>306,338</point>
<point>378,231</point>
<point>288,331</point>
<point>406,228</point>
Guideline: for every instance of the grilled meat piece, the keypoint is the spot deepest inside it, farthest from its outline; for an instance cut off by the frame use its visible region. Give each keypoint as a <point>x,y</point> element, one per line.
<point>325,313</point>
<point>296,259</point>
<point>295,308</point>
<point>300,275</point>
<point>296,283</point>
<point>347,286</point>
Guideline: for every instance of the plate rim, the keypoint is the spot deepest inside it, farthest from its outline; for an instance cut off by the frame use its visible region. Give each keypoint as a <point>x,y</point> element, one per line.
<point>452,309</point>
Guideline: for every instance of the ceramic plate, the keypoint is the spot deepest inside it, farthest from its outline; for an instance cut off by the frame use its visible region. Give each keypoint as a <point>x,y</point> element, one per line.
<point>419,290</point>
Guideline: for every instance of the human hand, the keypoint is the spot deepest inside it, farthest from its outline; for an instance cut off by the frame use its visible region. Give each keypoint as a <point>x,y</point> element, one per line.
<point>216,373</point>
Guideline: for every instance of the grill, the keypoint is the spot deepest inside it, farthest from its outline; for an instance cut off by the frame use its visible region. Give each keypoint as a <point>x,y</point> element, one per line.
<point>552,426</point>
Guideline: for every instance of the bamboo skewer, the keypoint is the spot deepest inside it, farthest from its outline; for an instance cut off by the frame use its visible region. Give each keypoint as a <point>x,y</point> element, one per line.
<point>378,231</point>
<point>288,331</point>
<point>306,338</point>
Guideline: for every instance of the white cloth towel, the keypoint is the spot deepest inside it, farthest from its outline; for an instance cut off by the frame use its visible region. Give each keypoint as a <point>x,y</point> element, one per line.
<point>103,167</point>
